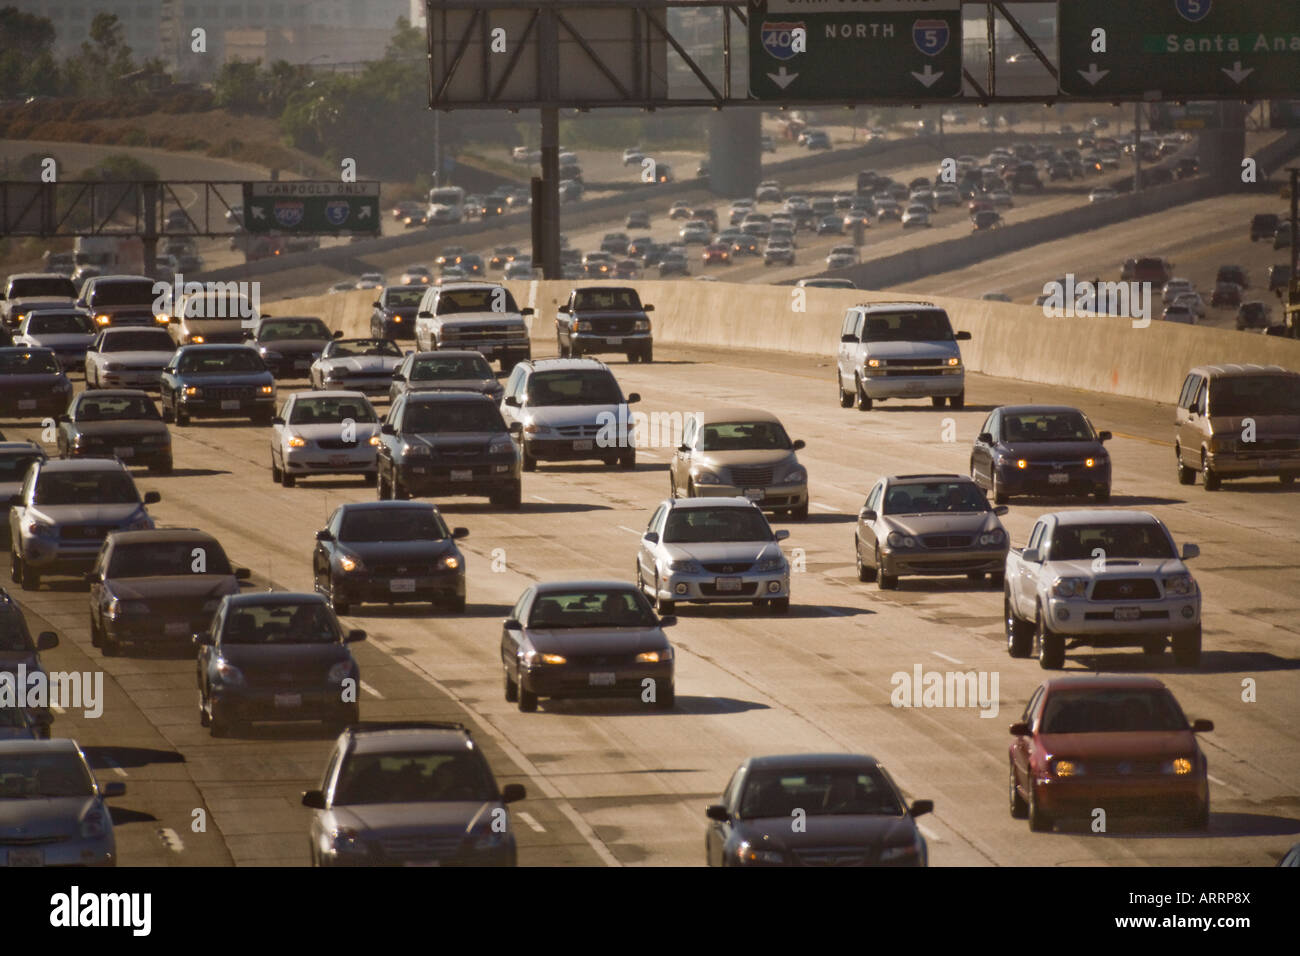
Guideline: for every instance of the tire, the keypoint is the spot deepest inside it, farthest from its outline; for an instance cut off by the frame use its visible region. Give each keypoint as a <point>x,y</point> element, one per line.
<point>1211,477</point>
<point>1019,809</point>
<point>865,573</point>
<point>340,608</point>
<point>667,700</point>
<point>1187,647</point>
<point>1039,821</point>
<point>400,493</point>
<point>1000,497</point>
<point>262,417</point>
<point>1153,645</point>
<point>886,582</point>
<point>1051,646</point>
<point>370,478</point>
<point>204,719</point>
<point>527,700</point>
<point>529,462</point>
<point>627,459</point>
<point>800,513</point>
<point>975,577</point>
<point>1020,634</point>
<point>1186,476</point>
<point>383,489</point>
<point>15,564</point>
<point>957,401</point>
<point>512,689</point>
<point>287,479</point>
<point>275,472</point>
<point>95,639</point>
<point>167,415</point>
<point>936,401</point>
<point>1102,496</point>
<point>861,400</point>
<point>561,348</point>
<point>28,578</point>
<point>511,499</point>
<point>182,418</point>
<point>664,607</point>
<point>648,354</point>
<point>846,398</point>
<point>1200,820</point>
<point>996,580</point>
<point>779,605</point>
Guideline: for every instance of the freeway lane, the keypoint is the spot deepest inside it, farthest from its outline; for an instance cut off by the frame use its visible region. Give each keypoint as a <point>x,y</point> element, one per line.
<point>747,682</point>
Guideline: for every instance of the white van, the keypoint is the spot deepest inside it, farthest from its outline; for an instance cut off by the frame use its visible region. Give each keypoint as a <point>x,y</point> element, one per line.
<point>214,316</point>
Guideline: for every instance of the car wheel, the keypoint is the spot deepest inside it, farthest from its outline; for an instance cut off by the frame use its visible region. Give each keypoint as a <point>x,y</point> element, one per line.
<point>287,479</point>
<point>1019,809</point>
<point>456,605</point>
<point>204,719</point>
<point>664,607</point>
<point>1211,477</point>
<point>667,699</point>
<point>1000,497</point>
<point>1102,495</point>
<point>779,605</point>
<point>527,700</point>
<point>15,564</point>
<point>886,582</point>
<point>340,608</point>
<point>1187,647</point>
<point>957,401</point>
<point>1153,645</point>
<point>862,399</point>
<point>1039,821</point>
<point>383,489</point>
<point>94,633</point>
<point>1186,476</point>
<point>561,347</point>
<point>163,467</point>
<point>167,415</point>
<point>1051,646</point>
<point>182,418</point>
<point>1200,820</point>
<point>800,513</point>
<point>399,492</point>
<point>512,689</point>
<point>1020,634</point>
<point>647,354</point>
<point>218,726</point>
<point>529,462</point>
<point>996,580</point>
<point>865,573</point>
<point>936,401</point>
<point>370,478</point>
<point>627,459</point>
<point>28,577</point>
<point>846,398</point>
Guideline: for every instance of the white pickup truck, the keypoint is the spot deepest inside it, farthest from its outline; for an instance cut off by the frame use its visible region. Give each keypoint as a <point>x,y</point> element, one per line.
<point>1101,578</point>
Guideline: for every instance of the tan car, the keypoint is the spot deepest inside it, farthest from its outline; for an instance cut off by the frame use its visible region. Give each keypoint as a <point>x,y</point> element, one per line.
<point>1238,421</point>
<point>740,452</point>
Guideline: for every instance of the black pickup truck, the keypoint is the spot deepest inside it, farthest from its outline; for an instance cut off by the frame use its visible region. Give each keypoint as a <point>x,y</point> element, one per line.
<point>601,319</point>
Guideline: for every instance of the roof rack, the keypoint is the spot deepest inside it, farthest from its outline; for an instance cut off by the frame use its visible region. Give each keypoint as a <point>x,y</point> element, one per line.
<point>872,305</point>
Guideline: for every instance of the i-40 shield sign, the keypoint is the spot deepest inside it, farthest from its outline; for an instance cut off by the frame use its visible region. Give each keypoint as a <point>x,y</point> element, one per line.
<point>288,214</point>
<point>778,38</point>
<point>930,36</point>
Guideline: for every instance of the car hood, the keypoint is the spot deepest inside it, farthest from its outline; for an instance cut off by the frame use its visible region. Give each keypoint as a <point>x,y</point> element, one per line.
<point>144,427</point>
<point>974,522</point>
<point>908,350</point>
<point>1266,426</point>
<point>377,364</point>
<point>1140,745</point>
<point>481,318</point>
<point>611,313</point>
<point>293,346</point>
<point>417,552</point>
<point>828,831</point>
<point>1052,450</point>
<point>598,640</point>
<point>737,551</point>
<point>1120,568</point>
<point>51,340</point>
<point>83,514</point>
<point>226,378</point>
<point>138,358</point>
<point>25,302</point>
<point>173,586</point>
<point>18,381</point>
<point>453,438</point>
<point>329,430</point>
<point>557,416</point>
<point>43,816</point>
<point>449,817</point>
<point>752,456</point>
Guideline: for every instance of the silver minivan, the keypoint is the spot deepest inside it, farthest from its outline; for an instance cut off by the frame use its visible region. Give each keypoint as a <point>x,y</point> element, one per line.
<point>900,350</point>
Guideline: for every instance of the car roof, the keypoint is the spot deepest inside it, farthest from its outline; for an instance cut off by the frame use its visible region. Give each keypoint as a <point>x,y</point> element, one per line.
<point>892,306</point>
<point>57,745</point>
<point>387,505</point>
<point>560,364</point>
<point>327,393</point>
<point>112,393</point>
<point>1234,370</point>
<point>26,348</point>
<point>428,396</point>
<point>1080,516</point>
<point>1037,409</point>
<point>558,587</point>
<point>262,598</point>
<point>1104,681</point>
<point>453,286</point>
<point>82,464</point>
<point>161,536</point>
<point>217,346</point>
<point>709,501</point>
<point>105,280</point>
<point>821,761</point>
<point>899,479</point>
<point>21,446</point>
<point>408,736</point>
<point>725,413</point>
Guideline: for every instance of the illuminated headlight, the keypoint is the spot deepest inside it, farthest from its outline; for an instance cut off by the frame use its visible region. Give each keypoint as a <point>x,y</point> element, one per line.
<point>501,446</point>
<point>340,672</point>
<point>771,564</point>
<point>796,476</point>
<point>1180,584</point>
<point>267,390</point>
<point>93,824</point>
<point>874,364</point>
<point>374,439</point>
<point>537,657</point>
<point>450,562</point>
<point>643,325</point>
<point>1022,464</point>
<point>347,840</point>
<point>686,566</point>
<point>1179,766</point>
<point>898,540</point>
<point>993,537</point>
<point>296,442</point>
<point>1067,768</point>
<point>192,390</point>
<point>1089,462</point>
<point>229,673</point>
<point>162,318</point>
<point>891,853</point>
<point>348,562</point>
<point>415,451</point>
<point>750,854</point>
<point>197,340</point>
<point>953,362</point>
<point>654,657</point>
<point>704,477</point>
<point>103,319</point>
<point>1069,587</point>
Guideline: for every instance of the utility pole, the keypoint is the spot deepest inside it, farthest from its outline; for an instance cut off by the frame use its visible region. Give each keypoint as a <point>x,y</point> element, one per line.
<point>1137,145</point>
<point>1293,296</point>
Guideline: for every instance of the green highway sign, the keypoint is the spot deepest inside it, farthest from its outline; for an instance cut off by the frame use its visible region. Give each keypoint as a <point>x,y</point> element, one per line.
<point>306,207</point>
<point>1171,49</point>
<point>855,50</point>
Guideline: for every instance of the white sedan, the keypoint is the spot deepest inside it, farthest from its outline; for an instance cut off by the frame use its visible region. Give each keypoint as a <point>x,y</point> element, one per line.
<point>67,331</point>
<point>128,357</point>
<point>324,433</point>
<point>359,365</point>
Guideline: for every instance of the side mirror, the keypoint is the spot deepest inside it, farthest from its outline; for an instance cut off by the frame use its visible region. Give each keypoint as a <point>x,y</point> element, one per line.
<point>1104,436</point>
<point>564,308</point>
<point>337,335</point>
<point>1000,510</point>
<point>634,398</point>
<point>277,420</point>
<point>1202,726</point>
<point>512,401</point>
<point>387,429</point>
<point>1020,729</point>
<point>242,574</point>
<point>63,417</point>
<point>513,793</point>
<point>963,337</point>
<point>424,315</point>
<point>984,438</point>
<point>848,338</point>
<point>866,514</point>
<point>920,808</point>
<point>115,789</point>
<point>324,534</point>
<point>1031,555</point>
<point>782,534</point>
<point>314,799</point>
<point>202,639</point>
<point>798,445</point>
<point>651,536</point>
<point>376,304</point>
<point>460,532</point>
<point>47,640</point>
<point>511,624</point>
<point>397,375</point>
<point>647,308</point>
<point>1191,551</point>
<point>152,497</point>
<point>683,447</point>
<point>516,428</point>
<point>354,636</point>
<point>717,812</point>
<point>526,311</point>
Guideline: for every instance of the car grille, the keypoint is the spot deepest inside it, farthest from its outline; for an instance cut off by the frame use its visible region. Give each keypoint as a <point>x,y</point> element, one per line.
<point>411,568</point>
<point>613,326</point>
<point>85,532</point>
<point>336,444</point>
<point>176,608</point>
<point>600,660</point>
<point>759,476</point>
<point>746,590</point>
<point>1125,589</point>
<point>1143,616</point>
<point>1272,444</point>
<point>419,846</point>
<point>728,568</point>
<point>947,540</point>
<point>578,431</point>
<point>832,856</point>
<point>912,371</point>
<point>285,675</point>
<point>470,334</point>
<point>459,451</point>
<point>914,363</point>
<point>226,393</point>
<point>1122,768</point>
<point>14,840</point>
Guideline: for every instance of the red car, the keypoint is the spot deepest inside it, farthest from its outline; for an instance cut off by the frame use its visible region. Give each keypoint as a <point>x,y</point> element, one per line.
<point>716,253</point>
<point>1120,744</point>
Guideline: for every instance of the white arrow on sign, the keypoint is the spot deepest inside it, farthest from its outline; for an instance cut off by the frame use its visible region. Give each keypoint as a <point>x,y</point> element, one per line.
<point>364,212</point>
<point>1237,74</point>
<point>781,78</point>
<point>258,212</point>
<point>928,77</point>
<point>1092,74</point>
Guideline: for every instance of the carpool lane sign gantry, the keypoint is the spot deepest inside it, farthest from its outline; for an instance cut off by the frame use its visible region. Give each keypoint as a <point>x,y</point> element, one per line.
<point>1170,49</point>
<point>853,50</point>
<point>311,207</point>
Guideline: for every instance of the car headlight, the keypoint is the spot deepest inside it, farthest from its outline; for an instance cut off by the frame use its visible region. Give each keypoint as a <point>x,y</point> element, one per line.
<point>1179,766</point>
<point>796,476</point>
<point>192,391</point>
<point>228,673</point>
<point>703,476</point>
<point>953,362</point>
<point>197,340</point>
<point>655,657</point>
<point>294,441</point>
<point>537,657</point>
<point>349,562</point>
<point>118,608</point>
<point>501,446</point>
<point>162,318</point>
<point>874,363</point>
<point>268,390</point>
<point>1180,584</point>
<point>1067,768</point>
<point>113,366</point>
<point>449,561</point>
<point>347,840</point>
<point>747,853</point>
<point>336,373</point>
<point>40,529</point>
<point>686,566</point>
<point>993,537</point>
<point>770,564</point>
<point>643,325</point>
<point>583,326</point>
<point>94,824</point>
<point>489,840</point>
<point>373,440</point>
<point>340,672</point>
<point>891,853</point>
<point>899,540</point>
<point>103,319</point>
<point>1070,587</point>
<point>415,451</point>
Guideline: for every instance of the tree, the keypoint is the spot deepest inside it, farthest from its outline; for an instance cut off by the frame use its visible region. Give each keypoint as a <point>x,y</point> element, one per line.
<point>26,63</point>
<point>105,57</point>
<point>239,86</point>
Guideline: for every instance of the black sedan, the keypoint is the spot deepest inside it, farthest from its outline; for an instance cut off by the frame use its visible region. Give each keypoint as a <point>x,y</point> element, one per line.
<point>394,312</point>
<point>1040,449</point>
<point>445,369</point>
<point>276,656</point>
<point>814,810</point>
<point>575,639</point>
<point>116,423</point>
<point>217,381</point>
<point>389,552</point>
<point>32,384</point>
<point>289,346</point>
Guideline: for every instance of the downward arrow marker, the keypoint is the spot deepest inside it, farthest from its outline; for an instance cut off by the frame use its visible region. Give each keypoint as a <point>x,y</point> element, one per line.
<point>1237,74</point>
<point>781,78</point>
<point>928,77</point>
<point>1092,74</point>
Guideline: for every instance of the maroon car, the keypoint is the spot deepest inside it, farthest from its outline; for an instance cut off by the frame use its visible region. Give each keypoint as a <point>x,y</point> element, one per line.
<point>1119,744</point>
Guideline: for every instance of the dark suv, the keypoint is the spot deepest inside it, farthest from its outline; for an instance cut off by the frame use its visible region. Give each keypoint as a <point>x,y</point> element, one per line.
<point>448,443</point>
<point>17,649</point>
<point>1253,315</point>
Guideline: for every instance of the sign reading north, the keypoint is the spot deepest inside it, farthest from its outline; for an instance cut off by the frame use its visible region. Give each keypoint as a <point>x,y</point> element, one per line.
<point>856,50</point>
<point>1180,48</point>
<point>311,207</point>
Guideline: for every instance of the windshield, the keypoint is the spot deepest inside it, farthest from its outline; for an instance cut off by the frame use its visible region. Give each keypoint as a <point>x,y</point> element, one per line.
<point>157,559</point>
<point>1255,395</point>
<point>97,407</point>
<point>1047,426</point>
<point>1121,710</point>
<point>402,298</point>
<point>280,624</point>
<point>130,340</point>
<point>413,778</point>
<point>139,292</point>
<point>216,361</point>
<point>831,792</point>
<point>927,326</point>
<point>612,300</point>
<point>741,436</point>
<point>13,631</point>
<point>935,497</point>
<point>392,524</point>
<point>24,362</point>
<point>59,323</point>
<point>218,306</point>
<point>14,465</point>
<point>345,347</point>
<point>85,488</point>
<point>484,299</point>
<point>1078,543</point>
<point>331,411</point>
<point>281,330</point>
<point>43,285</point>
<point>440,418</point>
<point>573,387</point>
<point>450,368</point>
<point>696,525</point>
<point>595,608</point>
<point>43,774</point>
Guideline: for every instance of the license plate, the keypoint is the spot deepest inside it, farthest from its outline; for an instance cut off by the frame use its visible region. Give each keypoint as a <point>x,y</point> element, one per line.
<point>126,451</point>
<point>402,585</point>
<point>584,445</point>
<point>26,403</point>
<point>288,700</point>
<point>462,474</point>
<point>176,628</point>
<point>601,679</point>
<point>755,494</point>
<point>1271,464</point>
<point>1058,478</point>
<point>727,584</point>
<point>26,857</point>
<point>338,459</point>
<point>1128,614</point>
<point>229,404</point>
<point>615,341</point>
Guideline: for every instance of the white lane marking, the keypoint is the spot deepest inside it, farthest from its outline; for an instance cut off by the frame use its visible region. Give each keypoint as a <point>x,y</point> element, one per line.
<point>1221,783</point>
<point>646,454</point>
<point>371,691</point>
<point>171,840</point>
<point>626,528</point>
<point>114,767</point>
<point>527,818</point>
<point>57,709</point>
<point>951,660</point>
<point>821,507</point>
<point>547,500</point>
<point>929,834</point>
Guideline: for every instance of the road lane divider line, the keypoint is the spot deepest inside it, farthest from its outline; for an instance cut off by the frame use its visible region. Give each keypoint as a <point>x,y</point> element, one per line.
<point>171,840</point>
<point>540,498</point>
<point>950,660</point>
<point>371,691</point>
<point>821,507</point>
<point>1149,441</point>
<point>632,530</point>
<point>528,818</point>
